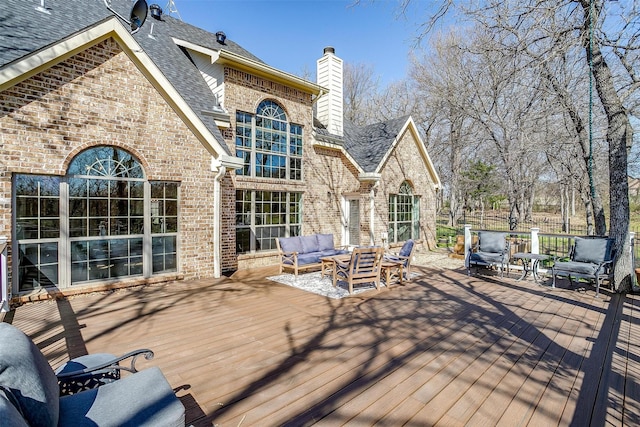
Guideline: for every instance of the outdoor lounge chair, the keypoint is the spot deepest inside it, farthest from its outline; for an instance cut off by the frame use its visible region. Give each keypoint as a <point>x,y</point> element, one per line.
<point>589,258</point>
<point>364,266</point>
<point>403,256</point>
<point>491,249</point>
<point>30,394</point>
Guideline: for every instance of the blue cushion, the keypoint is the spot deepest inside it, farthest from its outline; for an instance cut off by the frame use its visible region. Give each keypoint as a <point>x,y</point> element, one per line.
<point>491,241</point>
<point>406,249</point>
<point>325,242</point>
<point>488,257</point>
<point>595,250</point>
<point>290,244</point>
<point>309,244</point>
<point>333,252</point>
<point>27,374</point>
<point>568,267</point>
<point>309,258</point>
<point>141,399</point>
<point>9,415</point>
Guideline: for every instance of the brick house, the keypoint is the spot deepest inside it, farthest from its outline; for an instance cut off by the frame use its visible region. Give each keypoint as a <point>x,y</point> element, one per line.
<point>173,153</point>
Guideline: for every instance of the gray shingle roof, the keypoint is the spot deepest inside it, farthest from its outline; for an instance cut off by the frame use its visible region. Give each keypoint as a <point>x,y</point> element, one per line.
<point>369,144</point>
<point>24,30</point>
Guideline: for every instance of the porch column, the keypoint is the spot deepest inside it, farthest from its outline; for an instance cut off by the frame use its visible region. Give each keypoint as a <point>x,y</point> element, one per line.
<point>535,243</point>
<point>467,243</point>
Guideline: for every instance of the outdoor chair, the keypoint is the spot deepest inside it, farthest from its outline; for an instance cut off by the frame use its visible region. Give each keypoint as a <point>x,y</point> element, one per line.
<point>404,257</point>
<point>491,249</point>
<point>30,393</point>
<point>589,258</point>
<point>364,266</point>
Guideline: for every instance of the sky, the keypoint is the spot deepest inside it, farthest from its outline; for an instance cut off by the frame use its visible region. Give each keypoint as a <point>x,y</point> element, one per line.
<point>291,35</point>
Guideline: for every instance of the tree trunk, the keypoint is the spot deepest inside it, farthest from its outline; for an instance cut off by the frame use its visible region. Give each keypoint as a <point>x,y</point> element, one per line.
<point>619,138</point>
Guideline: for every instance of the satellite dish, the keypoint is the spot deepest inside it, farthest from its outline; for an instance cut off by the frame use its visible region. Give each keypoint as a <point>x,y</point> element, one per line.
<point>138,15</point>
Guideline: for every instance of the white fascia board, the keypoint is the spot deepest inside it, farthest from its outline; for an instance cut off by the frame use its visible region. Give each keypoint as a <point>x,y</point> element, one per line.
<point>369,177</point>
<point>36,62</point>
<point>213,54</point>
<point>231,162</point>
<point>264,70</point>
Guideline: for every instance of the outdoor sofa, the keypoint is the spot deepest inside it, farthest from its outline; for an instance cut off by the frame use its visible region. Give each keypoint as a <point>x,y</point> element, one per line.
<point>304,252</point>
<point>30,393</point>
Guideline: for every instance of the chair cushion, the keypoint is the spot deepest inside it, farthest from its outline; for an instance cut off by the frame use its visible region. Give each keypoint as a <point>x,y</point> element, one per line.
<point>406,249</point>
<point>488,257</point>
<point>141,399</point>
<point>592,250</point>
<point>325,242</point>
<point>309,258</point>
<point>567,267</point>
<point>27,374</point>
<point>290,244</point>
<point>492,242</point>
<point>9,414</point>
<point>309,244</point>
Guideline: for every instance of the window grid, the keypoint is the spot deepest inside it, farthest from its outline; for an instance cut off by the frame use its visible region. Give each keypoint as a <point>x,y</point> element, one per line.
<point>262,216</point>
<point>269,146</point>
<point>37,230</point>
<point>404,215</point>
<point>103,228</point>
<point>164,226</point>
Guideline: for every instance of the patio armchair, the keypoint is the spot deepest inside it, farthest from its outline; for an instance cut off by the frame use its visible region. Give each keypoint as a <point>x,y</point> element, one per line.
<point>30,394</point>
<point>491,249</point>
<point>589,258</point>
<point>404,257</point>
<point>364,266</point>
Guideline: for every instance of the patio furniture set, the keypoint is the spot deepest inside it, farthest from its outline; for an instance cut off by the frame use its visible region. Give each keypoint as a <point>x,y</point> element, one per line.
<point>589,258</point>
<point>359,265</point>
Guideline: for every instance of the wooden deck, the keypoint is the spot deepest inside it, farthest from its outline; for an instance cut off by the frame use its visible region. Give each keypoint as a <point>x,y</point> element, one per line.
<point>444,349</point>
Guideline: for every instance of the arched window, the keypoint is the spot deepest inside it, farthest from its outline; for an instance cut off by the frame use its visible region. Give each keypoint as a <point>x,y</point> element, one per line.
<point>404,214</point>
<point>96,223</point>
<point>270,146</point>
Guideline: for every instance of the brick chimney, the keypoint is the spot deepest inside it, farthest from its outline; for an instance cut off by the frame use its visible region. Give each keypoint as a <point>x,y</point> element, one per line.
<point>330,108</point>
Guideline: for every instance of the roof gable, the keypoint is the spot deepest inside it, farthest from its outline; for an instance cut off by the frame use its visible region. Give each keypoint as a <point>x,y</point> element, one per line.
<point>369,147</point>
<point>45,39</point>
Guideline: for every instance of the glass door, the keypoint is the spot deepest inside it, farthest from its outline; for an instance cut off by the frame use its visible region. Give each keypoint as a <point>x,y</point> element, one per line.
<point>351,222</point>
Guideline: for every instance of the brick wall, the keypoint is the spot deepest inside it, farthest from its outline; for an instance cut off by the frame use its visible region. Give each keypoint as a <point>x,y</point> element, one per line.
<point>327,174</point>
<point>89,100</point>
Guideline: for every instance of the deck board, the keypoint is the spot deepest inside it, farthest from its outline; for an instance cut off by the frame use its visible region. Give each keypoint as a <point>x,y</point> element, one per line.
<point>443,349</point>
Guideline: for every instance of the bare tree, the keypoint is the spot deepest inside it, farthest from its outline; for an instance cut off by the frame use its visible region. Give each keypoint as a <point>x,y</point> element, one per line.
<point>549,27</point>
<point>360,89</point>
<point>440,87</point>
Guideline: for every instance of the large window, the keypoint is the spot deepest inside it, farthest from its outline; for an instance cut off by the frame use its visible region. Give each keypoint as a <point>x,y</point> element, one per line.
<point>270,146</point>
<point>404,215</point>
<point>261,216</point>
<point>96,217</point>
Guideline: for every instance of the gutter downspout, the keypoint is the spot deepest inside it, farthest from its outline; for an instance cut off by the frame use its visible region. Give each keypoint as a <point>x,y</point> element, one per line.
<point>216,166</point>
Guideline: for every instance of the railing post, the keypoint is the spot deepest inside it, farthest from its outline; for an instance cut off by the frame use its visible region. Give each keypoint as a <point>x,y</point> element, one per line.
<point>634,281</point>
<point>4,285</point>
<point>535,243</point>
<point>467,243</point>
